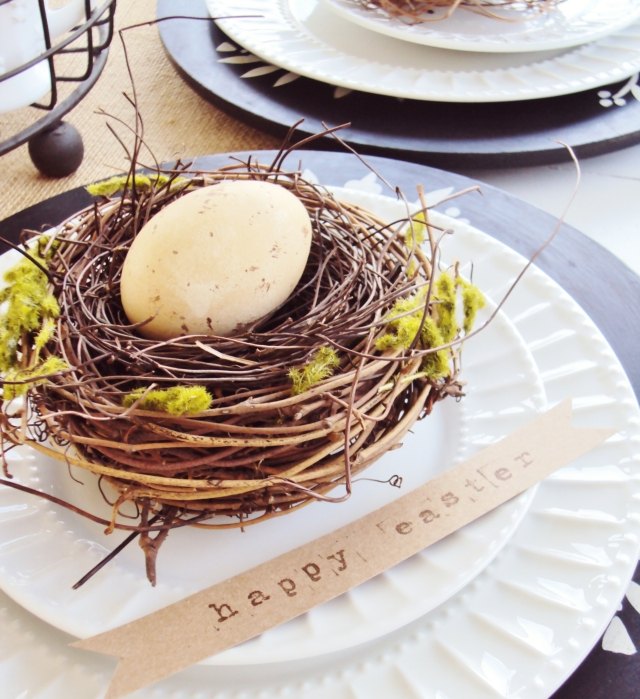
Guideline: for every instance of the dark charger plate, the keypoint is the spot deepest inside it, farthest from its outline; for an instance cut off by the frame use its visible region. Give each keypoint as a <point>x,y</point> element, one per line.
<point>447,135</point>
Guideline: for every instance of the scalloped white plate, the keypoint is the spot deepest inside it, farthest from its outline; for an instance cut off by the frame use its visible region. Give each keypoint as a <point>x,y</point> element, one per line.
<point>510,30</point>
<point>307,38</point>
<point>45,549</point>
<point>523,625</point>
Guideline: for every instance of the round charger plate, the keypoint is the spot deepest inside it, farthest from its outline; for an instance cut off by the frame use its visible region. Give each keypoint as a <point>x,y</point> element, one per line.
<point>523,625</point>
<point>307,38</point>
<point>508,30</point>
<point>46,549</point>
<point>438,133</point>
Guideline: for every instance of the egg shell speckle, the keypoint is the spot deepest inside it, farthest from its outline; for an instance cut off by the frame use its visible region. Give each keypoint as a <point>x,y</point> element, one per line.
<point>216,259</point>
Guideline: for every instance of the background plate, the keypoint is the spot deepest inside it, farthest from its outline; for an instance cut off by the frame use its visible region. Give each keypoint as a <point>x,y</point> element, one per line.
<point>305,37</point>
<point>440,134</point>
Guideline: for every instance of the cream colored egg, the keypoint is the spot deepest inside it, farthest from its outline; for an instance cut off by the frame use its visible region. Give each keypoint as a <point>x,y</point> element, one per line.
<point>216,260</point>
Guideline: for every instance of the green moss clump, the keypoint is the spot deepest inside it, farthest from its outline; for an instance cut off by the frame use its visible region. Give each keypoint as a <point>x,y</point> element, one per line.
<point>403,322</point>
<point>109,187</point>
<point>472,301</point>
<point>29,304</point>
<point>444,293</point>
<point>28,322</point>
<point>18,381</point>
<point>409,326</point>
<point>321,366</point>
<point>177,400</point>
<point>403,333</point>
<point>416,232</point>
<point>435,365</point>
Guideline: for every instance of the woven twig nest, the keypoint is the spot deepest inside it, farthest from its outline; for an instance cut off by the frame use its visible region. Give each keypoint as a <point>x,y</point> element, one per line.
<point>298,403</point>
<point>416,11</point>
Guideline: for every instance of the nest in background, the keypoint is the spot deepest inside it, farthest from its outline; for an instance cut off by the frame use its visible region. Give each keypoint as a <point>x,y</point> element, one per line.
<point>418,11</point>
<point>274,435</point>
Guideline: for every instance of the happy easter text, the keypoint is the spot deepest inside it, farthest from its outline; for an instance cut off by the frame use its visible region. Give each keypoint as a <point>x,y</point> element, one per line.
<point>312,575</point>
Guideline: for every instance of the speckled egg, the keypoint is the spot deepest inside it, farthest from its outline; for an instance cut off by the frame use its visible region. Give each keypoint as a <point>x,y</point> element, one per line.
<point>216,260</point>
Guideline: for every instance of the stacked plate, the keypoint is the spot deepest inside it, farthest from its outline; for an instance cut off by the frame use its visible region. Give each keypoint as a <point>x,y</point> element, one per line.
<point>468,57</point>
<point>568,74</point>
<point>507,606</point>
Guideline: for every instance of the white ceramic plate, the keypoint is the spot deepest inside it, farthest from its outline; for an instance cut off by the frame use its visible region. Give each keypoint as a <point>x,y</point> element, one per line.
<point>510,29</point>
<point>307,38</point>
<point>523,625</point>
<point>45,549</point>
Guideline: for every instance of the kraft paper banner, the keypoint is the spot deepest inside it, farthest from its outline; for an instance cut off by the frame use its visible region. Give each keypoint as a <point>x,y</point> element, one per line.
<point>244,606</point>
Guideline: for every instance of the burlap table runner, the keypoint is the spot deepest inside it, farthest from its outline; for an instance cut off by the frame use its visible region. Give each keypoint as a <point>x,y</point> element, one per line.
<point>178,123</point>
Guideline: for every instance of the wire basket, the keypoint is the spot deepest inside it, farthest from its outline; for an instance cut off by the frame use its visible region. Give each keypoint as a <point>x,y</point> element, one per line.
<point>71,63</point>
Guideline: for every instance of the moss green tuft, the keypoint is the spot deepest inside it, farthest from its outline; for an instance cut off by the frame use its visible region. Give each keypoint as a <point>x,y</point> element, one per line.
<point>436,364</point>
<point>324,362</point>
<point>109,187</point>
<point>444,293</point>
<point>29,308</point>
<point>408,325</point>
<point>177,400</point>
<point>33,376</point>
<point>416,232</point>
<point>403,322</point>
<point>472,301</point>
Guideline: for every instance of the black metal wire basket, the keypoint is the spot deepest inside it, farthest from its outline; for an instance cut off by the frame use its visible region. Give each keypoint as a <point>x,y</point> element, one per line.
<point>74,62</point>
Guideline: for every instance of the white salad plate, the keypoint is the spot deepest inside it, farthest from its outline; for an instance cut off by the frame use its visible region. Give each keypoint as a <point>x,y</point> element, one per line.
<point>507,29</point>
<point>518,628</point>
<point>307,38</point>
<point>45,548</point>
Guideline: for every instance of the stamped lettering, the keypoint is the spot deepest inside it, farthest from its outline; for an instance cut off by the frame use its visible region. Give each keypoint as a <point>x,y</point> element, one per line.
<point>257,597</point>
<point>224,612</point>
<point>288,586</point>
<point>340,559</point>
<point>312,571</point>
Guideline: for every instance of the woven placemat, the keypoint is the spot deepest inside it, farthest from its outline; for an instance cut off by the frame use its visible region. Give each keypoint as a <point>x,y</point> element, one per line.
<point>177,122</point>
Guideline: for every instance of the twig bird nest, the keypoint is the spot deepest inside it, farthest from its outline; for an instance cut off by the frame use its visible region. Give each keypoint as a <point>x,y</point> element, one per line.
<point>226,431</point>
<point>416,11</point>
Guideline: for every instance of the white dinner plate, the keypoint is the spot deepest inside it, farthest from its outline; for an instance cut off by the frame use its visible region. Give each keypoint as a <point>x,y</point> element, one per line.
<point>45,548</point>
<point>511,29</point>
<point>306,37</point>
<point>518,629</point>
